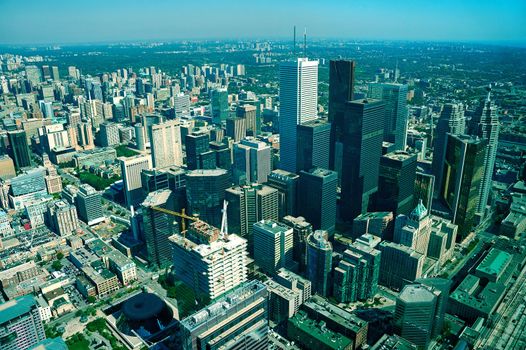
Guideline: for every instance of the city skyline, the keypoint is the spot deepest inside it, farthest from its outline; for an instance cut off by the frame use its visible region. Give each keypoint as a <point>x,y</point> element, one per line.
<point>471,21</point>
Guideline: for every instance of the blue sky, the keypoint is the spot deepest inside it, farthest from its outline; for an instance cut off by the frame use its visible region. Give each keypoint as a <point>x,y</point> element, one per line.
<point>72,21</point>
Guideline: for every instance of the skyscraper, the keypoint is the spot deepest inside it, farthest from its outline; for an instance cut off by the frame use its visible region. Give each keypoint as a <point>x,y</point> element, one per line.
<point>414,230</point>
<point>341,90</point>
<point>236,128</point>
<point>395,113</point>
<point>131,169</point>
<point>319,261</point>
<point>63,217</point>
<point>415,313</point>
<point>274,245</point>
<point>252,161</point>
<point>298,97</point>
<point>89,205</point>
<point>219,105</point>
<point>451,121</point>
<point>248,205</point>
<point>399,265</point>
<point>361,138</point>
<point>396,182</point>
<point>19,148</point>
<point>317,198</point>
<point>313,146</point>
<point>462,180</point>
<point>157,227</point>
<point>301,229</point>
<point>20,325</point>
<point>109,134</point>
<point>205,192</point>
<point>166,145</point>
<point>243,316</point>
<point>485,124</point>
<point>286,183</point>
<point>197,144</point>
<point>249,114</point>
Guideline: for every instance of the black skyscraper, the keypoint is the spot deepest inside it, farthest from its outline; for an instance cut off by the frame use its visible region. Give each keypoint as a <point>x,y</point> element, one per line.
<point>197,146</point>
<point>19,148</point>
<point>341,90</point>
<point>361,137</point>
<point>396,183</point>
<point>313,145</point>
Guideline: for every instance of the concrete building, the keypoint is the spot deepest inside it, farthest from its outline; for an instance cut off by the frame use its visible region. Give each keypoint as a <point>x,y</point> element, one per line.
<point>109,134</point>
<point>252,161</point>
<point>380,224</point>
<point>210,264</point>
<point>131,169</point>
<point>7,167</point>
<point>319,261</point>
<point>239,320</point>
<point>124,268</point>
<point>249,114</point>
<point>298,96</point>
<point>248,205</point>
<point>20,324</point>
<point>166,145</point>
<point>414,230</point>
<point>301,229</point>
<point>89,205</point>
<point>63,217</point>
<point>274,245</point>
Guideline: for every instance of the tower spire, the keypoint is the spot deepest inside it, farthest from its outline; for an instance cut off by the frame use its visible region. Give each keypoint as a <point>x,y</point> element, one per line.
<point>305,43</point>
<point>294,50</point>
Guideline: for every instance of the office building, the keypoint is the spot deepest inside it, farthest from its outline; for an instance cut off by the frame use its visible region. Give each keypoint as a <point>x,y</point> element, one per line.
<point>7,167</point>
<point>165,141</point>
<point>485,124</point>
<point>286,183</point>
<point>317,198</point>
<point>396,182</point>
<point>181,104</point>
<point>274,245</point>
<point>415,314</point>
<point>131,169</point>
<point>442,240</point>
<point>209,263</point>
<point>197,146</point>
<point>399,265</point>
<point>33,74</point>
<point>301,229</point>
<point>319,261</point>
<point>380,224</point>
<point>158,227</point>
<point>313,145</point>
<point>440,287</point>
<point>223,153</point>
<point>89,205</point>
<point>462,180</point>
<point>451,121</point>
<point>249,114</point>
<point>109,134</point>
<point>19,148</point>
<point>236,128</point>
<point>361,140</point>
<point>337,319</point>
<point>424,189</point>
<point>63,217</point>
<point>298,96</point>
<point>414,230</point>
<point>85,136</point>
<point>205,193</point>
<point>239,320</point>
<point>356,276</point>
<point>252,161</point>
<point>20,324</point>
<point>140,137</point>
<point>248,205</point>
<point>283,302</point>
<point>219,105</point>
<point>341,90</point>
<point>395,113</point>
<point>27,187</point>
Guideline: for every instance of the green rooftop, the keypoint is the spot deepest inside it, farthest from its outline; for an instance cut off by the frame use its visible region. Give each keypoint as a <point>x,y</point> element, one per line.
<point>495,262</point>
<point>15,308</point>
<point>319,331</point>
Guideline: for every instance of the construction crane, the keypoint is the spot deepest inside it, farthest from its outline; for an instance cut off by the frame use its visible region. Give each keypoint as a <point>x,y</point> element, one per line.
<point>182,215</point>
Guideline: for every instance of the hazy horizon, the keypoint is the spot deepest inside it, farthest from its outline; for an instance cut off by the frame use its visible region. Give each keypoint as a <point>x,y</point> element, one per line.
<point>32,22</point>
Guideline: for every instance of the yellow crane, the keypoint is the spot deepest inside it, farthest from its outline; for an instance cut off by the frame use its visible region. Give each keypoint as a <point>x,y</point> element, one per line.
<point>182,215</point>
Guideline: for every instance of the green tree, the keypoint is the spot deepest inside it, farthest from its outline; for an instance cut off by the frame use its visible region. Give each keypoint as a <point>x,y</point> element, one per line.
<point>56,265</point>
<point>91,299</point>
<point>60,255</point>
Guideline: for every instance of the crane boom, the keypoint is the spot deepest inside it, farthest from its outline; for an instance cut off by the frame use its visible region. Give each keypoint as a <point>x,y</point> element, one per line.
<point>182,215</point>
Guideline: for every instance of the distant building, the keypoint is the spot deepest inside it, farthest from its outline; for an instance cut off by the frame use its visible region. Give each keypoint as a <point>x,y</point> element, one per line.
<point>219,105</point>
<point>7,167</point>
<point>319,261</point>
<point>20,325</point>
<point>242,314</point>
<point>274,245</point>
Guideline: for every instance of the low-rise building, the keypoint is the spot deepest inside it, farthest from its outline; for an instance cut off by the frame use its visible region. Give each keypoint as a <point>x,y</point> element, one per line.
<point>122,266</point>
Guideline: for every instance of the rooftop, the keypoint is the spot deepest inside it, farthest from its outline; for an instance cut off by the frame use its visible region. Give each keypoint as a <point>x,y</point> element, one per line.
<point>414,293</point>
<point>15,308</point>
<point>319,330</point>
<point>494,262</point>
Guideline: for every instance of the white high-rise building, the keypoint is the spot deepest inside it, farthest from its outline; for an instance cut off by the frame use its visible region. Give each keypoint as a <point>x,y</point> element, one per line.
<point>212,265</point>
<point>298,97</point>
<point>165,140</point>
<point>131,169</point>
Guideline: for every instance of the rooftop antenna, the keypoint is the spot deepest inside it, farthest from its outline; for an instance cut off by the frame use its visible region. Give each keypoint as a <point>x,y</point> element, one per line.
<point>396,69</point>
<point>224,221</point>
<point>294,50</point>
<point>305,43</point>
